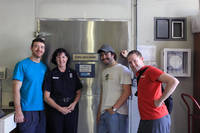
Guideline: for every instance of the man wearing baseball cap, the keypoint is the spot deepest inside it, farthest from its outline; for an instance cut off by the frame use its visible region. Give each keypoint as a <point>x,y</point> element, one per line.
<point>112,116</point>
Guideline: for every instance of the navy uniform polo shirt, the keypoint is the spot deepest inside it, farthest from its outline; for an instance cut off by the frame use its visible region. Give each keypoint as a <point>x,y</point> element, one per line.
<point>62,84</point>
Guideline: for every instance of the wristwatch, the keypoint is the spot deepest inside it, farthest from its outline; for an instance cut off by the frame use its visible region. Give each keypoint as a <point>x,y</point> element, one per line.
<point>114,109</point>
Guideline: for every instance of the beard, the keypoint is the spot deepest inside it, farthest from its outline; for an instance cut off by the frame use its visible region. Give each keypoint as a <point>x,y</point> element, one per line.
<point>36,56</point>
<point>108,62</point>
<point>37,53</point>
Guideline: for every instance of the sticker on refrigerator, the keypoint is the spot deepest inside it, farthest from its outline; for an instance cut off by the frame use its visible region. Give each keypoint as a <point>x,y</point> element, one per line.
<point>94,57</point>
<point>85,70</point>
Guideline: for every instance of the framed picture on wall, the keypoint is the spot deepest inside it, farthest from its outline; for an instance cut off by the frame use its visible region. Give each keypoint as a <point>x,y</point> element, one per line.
<point>169,29</point>
<point>177,29</point>
<point>162,29</point>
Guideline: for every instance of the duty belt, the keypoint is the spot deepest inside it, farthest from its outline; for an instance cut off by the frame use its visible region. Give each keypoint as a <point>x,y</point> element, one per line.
<point>63,99</point>
<point>66,99</point>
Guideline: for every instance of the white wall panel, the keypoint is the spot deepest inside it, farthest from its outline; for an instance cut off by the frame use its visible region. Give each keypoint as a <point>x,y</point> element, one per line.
<point>109,9</point>
<point>16,33</point>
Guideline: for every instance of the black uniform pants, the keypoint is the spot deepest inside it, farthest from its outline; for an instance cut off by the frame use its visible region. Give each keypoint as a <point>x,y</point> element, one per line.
<point>59,123</point>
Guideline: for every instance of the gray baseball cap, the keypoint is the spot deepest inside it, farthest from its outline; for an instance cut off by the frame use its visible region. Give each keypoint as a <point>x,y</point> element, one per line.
<point>106,48</point>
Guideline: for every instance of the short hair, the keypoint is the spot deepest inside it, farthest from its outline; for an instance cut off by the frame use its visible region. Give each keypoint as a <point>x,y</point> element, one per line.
<point>134,52</point>
<point>37,40</point>
<point>58,52</point>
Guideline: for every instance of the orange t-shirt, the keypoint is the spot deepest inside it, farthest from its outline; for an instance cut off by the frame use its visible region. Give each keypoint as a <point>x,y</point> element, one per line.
<point>149,89</point>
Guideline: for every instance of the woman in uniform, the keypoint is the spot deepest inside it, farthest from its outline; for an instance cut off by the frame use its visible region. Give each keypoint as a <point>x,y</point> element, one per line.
<point>62,93</point>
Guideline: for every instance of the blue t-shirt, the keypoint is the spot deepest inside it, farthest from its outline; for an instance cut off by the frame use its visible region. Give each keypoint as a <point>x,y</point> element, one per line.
<point>31,74</point>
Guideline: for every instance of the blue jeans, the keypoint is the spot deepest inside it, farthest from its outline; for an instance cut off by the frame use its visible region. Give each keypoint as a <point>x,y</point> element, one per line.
<point>115,123</point>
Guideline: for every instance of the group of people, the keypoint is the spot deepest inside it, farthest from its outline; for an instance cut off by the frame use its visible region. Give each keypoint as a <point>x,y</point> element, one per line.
<point>60,88</point>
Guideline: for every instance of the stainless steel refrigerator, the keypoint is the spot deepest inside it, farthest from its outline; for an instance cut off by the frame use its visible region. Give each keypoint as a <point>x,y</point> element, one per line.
<point>82,39</point>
